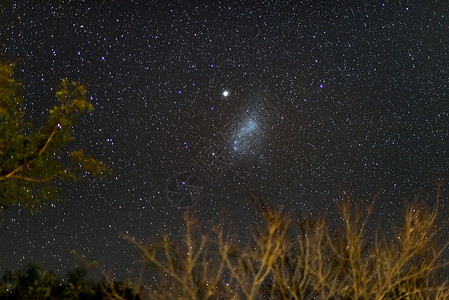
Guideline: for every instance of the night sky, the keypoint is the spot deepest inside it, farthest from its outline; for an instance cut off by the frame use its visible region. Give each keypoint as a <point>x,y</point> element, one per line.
<point>294,99</point>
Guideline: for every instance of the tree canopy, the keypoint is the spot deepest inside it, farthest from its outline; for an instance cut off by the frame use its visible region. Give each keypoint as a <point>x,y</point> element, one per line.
<point>36,283</point>
<point>33,160</point>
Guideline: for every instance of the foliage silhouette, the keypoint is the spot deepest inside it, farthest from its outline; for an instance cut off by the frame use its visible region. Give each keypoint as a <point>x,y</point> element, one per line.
<point>34,283</point>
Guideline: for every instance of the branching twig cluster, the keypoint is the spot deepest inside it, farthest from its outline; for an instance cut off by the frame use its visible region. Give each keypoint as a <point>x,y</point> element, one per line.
<point>303,259</point>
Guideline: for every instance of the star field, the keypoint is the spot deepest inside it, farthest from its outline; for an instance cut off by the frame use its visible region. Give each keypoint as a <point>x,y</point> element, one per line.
<point>360,91</point>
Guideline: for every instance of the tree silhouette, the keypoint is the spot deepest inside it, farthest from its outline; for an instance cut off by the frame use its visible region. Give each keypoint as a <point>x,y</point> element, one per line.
<point>35,283</point>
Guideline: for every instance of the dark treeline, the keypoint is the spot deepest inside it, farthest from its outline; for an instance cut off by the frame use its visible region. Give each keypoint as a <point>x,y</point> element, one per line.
<point>35,283</point>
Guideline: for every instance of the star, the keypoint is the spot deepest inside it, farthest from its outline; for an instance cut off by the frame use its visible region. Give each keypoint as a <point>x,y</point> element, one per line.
<point>325,100</point>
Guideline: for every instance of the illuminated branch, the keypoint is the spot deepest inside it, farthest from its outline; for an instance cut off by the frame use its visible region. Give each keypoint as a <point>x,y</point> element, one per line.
<point>48,140</point>
<point>38,180</point>
<point>27,163</point>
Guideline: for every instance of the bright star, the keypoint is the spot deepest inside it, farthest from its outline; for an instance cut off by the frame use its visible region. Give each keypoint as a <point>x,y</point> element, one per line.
<point>225,93</point>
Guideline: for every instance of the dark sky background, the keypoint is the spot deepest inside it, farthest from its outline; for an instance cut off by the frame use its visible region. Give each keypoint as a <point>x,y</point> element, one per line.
<point>357,96</point>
